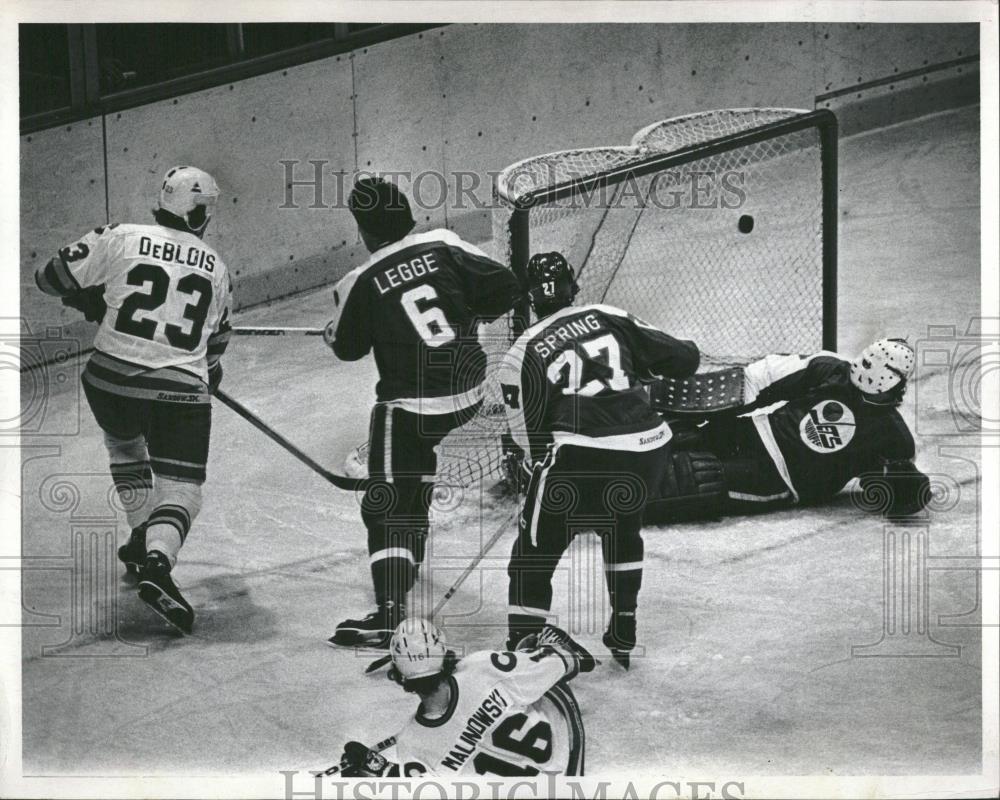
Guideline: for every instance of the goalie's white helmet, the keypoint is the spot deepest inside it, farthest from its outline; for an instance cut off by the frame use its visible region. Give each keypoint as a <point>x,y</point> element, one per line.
<point>184,189</point>
<point>882,369</point>
<point>418,649</point>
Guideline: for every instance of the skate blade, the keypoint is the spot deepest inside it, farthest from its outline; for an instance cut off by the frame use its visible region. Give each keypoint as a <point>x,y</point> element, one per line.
<point>132,567</point>
<point>623,657</point>
<point>166,607</point>
<point>354,639</point>
<point>377,664</point>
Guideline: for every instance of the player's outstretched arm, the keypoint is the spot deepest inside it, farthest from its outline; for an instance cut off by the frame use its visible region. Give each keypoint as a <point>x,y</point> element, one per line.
<point>555,640</point>
<point>659,353</point>
<point>784,377</point>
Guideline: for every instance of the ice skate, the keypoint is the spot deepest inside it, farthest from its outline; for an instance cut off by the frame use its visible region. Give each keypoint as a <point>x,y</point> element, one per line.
<point>374,630</point>
<point>619,638</point>
<point>158,590</point>
<point>133,553</point>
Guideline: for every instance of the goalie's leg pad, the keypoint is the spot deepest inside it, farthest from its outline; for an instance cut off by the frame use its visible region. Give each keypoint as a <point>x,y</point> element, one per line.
<point>754,484</point>
<point>693,487</point>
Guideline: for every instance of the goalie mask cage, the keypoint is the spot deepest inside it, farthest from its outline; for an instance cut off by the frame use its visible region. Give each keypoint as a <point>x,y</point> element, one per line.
<point>718,227</point>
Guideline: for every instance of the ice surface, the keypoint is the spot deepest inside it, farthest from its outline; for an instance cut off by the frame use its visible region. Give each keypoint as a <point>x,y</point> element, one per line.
<point>747,624</point>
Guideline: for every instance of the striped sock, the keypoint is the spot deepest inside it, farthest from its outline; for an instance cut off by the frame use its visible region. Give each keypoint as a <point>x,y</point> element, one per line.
<point>134,483</point>
<point>167,529</point>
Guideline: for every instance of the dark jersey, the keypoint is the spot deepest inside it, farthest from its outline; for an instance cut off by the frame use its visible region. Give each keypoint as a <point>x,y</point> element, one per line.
<point>417,303</point>
<point>825,434</point>
<point>574,377</point>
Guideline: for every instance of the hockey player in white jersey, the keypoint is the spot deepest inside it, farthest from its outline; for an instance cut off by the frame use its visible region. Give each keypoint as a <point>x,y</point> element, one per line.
<point>161,297</point>
<point>491,713</point>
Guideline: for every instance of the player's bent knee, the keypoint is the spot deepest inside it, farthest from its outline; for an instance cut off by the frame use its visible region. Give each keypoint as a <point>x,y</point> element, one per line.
<point>125,451</point>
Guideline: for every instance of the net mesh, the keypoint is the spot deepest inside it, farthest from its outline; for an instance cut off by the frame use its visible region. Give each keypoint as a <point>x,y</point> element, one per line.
<point>725,249</point>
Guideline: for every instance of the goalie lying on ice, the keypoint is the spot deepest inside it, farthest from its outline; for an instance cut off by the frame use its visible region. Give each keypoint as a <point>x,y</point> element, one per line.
<point>490,713</point>
<point>791,429</point>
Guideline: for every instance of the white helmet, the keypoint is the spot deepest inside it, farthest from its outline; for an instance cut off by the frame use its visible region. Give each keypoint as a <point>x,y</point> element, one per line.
<point>418,649</point>
<point>186,188</point>
<point>881,368</point>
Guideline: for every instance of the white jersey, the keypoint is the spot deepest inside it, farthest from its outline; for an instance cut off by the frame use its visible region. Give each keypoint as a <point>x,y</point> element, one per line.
<point>167,292</point>
<point>509,715</point>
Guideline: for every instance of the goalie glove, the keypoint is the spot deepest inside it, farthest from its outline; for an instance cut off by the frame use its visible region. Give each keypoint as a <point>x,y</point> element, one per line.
<point>558,639</point>
<point>90,301</point>
<point>517,470</point>
<point>902,489</point>
<point>359,761</point>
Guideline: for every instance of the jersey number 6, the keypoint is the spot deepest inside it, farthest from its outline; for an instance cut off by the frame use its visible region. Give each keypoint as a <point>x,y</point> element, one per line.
<point>194,285</point>
<point>429,322</point>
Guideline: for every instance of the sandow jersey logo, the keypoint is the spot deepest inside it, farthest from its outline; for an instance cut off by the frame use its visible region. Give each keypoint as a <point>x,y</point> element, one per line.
<point>828,427</point>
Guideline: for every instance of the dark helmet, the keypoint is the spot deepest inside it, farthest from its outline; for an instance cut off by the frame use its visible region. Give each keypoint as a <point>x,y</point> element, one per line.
<point>381,209</point>
<point>551,283</point>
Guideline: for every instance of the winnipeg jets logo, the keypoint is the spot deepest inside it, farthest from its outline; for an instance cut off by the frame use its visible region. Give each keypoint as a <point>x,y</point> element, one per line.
<point>828,427</point>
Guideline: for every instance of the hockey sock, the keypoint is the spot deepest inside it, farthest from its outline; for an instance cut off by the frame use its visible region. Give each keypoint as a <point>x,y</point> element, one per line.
<point>623,586</point>
<point>623,570</point>
<point>134,483</point>
<point>418,543</point>
<point>132,475</point>
<point>392,577</point>
<point>177,503</point>
<point>166,531</point>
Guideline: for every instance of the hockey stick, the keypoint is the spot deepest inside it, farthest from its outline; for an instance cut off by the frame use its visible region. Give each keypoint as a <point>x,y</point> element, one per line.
<point>381,661</point>
<point>385,744</point>
<point>258,330</point>
<point>340,481</point>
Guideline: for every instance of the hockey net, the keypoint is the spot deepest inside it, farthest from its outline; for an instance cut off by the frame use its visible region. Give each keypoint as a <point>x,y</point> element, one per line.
<point>717,227</point>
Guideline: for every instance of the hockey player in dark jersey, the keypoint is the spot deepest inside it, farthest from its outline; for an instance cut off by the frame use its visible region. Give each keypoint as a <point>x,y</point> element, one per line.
<point>597,450</point>
<point>836,420</point>
<point>416,303</point>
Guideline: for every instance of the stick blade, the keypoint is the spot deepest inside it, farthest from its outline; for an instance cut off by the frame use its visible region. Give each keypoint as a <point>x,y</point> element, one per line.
<point>377,664</point>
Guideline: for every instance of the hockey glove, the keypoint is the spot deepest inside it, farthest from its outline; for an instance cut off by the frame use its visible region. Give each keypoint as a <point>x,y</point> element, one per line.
<point>908,490</point>
<point>517,471</point>
<point>90,301</point>
<point>358,761</point>
<point>214,376</point>
<point>557,637</point>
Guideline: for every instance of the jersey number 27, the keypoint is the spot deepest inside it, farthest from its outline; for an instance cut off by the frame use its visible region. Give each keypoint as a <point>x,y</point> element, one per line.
<point>567,369</point>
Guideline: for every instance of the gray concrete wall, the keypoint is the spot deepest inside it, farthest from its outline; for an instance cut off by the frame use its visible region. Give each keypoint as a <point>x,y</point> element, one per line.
<point>465,97</point>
